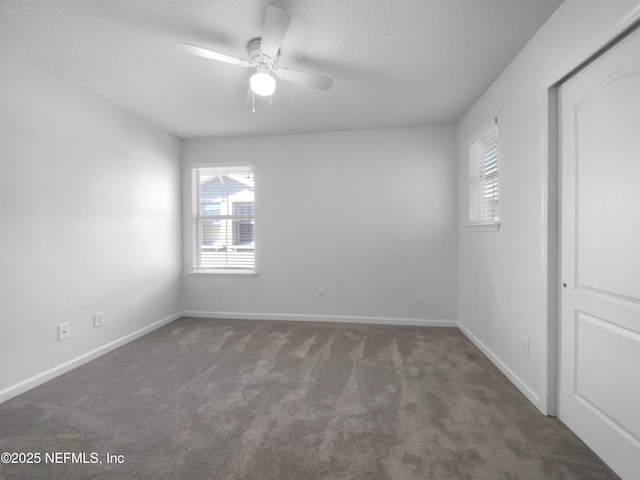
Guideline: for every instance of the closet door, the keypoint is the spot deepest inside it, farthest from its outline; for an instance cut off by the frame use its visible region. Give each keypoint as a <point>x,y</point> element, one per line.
<point>599,381</point>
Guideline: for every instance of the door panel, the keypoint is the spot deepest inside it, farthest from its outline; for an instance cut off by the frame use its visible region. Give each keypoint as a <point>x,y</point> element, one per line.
<point>599,380</point>
<point>601,347</point>
<point>608,221</point>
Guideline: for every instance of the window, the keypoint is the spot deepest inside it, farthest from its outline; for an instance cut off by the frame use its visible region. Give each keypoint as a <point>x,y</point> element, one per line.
<point>223,219</point>
<point>483,177</point>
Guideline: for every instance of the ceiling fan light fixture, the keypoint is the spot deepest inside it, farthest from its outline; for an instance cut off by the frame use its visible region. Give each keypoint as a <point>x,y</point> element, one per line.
<point>263,84</point>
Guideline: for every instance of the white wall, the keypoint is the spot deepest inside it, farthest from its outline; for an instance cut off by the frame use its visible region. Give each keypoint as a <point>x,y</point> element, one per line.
<point>504,291</point>
<point>369,216</point>
<point>90,221</point>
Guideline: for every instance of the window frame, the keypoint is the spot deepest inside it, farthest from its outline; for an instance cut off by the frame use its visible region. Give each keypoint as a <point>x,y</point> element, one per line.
<point>196,216</point>
<point>476,185</point>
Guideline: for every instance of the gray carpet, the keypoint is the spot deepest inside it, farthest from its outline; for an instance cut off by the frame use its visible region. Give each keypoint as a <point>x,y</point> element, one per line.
<point>214,399</point>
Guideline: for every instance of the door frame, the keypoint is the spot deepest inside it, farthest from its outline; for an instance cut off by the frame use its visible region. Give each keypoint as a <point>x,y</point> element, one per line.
<point>552,214</point>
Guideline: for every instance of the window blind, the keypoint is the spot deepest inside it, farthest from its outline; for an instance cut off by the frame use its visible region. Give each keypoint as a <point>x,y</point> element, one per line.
<point>223,205</point>
<point>483,176</point>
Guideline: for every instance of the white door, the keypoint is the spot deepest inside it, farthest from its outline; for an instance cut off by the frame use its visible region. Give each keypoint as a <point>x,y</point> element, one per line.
<point>599,381</point>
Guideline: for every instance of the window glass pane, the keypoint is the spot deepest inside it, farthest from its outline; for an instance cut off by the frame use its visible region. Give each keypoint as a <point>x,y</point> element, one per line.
<point>242,208</point>
<point>220,239</point>
<point>243,233</point>
<point>483,176</point>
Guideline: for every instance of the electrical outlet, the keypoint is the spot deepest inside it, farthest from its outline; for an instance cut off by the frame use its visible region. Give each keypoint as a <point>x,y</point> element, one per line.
<point>98,319</point>
<point>64,331</point>
<point>419,297</point>
<point>525,345</point>
<point>320,294</point>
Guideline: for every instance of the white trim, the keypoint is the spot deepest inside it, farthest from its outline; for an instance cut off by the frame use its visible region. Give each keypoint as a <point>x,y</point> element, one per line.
<point>214,164</point>
<point>550,208</point>
<point>297,317</point>
<point>223,273</point>
<point>520,384</point>
<point>483,227</point>
<point>588,52</point>
<point>58,370</point>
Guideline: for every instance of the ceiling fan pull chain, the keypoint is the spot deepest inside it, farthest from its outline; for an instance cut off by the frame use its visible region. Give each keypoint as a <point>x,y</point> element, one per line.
<point>253,101</point>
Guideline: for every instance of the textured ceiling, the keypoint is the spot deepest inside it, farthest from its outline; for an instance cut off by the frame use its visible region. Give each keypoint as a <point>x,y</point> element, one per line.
<point>394,62</point>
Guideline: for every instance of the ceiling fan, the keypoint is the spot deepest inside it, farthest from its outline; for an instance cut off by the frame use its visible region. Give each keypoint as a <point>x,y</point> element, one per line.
<point>263,56</point>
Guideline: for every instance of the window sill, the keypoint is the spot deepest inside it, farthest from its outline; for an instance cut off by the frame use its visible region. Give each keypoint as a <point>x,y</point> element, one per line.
<point>484,227</point>
<point>224,273</point>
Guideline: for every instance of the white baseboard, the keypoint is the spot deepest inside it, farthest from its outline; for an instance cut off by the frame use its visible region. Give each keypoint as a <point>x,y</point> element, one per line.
<point>58,370</point>
<point>297,317</point>
<point>497,361</point>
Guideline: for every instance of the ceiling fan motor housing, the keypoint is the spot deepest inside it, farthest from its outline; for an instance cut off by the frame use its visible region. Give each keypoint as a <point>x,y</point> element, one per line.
<point>262,62</point>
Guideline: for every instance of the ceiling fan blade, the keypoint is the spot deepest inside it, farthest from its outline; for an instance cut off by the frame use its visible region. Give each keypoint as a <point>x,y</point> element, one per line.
<point>276,23</point>
<point>303,78</point>
<point>221,57</point>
